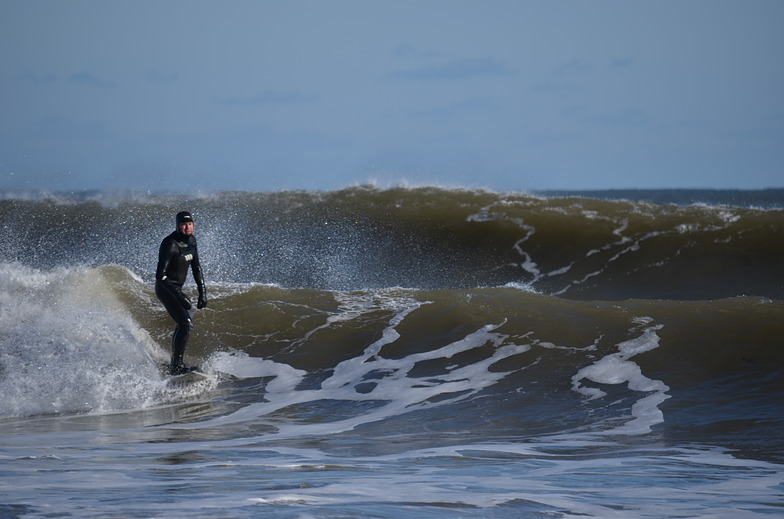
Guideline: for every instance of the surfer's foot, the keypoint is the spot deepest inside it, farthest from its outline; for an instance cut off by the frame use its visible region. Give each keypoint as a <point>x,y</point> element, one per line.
<point>181,370</point>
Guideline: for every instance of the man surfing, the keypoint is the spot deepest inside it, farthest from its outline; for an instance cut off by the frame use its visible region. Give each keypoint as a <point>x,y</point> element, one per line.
<point>178,252</point>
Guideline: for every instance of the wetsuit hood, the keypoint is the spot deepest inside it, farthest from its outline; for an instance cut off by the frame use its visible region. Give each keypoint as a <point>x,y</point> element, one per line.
<point>183,216</point>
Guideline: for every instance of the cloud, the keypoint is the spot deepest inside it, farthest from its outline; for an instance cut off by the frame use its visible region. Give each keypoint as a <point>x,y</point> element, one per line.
<point>271,98</point>
<point>631,117</point>
<point>757,137</point>
<point>39,79</point>
<point>621,63</point>
<point>470,105</point>
<point>87,79</point>
<point>409,51</point>
<point>156,76</point>
<point>551,87</point>
<point>406,51</point>
<point>459,69</point>
<point>574,66</point>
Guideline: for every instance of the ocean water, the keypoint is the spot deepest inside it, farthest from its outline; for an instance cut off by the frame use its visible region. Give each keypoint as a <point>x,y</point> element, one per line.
<point>387,353</point>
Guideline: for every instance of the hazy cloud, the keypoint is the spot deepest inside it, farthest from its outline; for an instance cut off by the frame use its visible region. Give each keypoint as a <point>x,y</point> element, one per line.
<point>156,76</point>
<point>631,117</point>
<point>271,97</point>
<point>58,127</point>
<point>87,79</point>
<point>39,79</point>
<point>555,88</point>
<point>470,105</point>
<point>463,68</point>
<point>409,51</point>
<point>574,66</point>
<point>621,63</point>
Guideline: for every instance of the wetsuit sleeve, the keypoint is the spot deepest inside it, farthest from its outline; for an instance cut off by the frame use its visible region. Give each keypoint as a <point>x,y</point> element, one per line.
<point>165,255</point>
<point>198,277</point>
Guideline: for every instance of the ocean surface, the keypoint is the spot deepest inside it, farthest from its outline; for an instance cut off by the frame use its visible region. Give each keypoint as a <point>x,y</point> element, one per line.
<point>405,352</point>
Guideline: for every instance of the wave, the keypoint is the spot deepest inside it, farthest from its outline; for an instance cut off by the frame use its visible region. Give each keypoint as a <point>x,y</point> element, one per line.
<point>492,362</point>
<point>433,312</point>
<point>424,238</point>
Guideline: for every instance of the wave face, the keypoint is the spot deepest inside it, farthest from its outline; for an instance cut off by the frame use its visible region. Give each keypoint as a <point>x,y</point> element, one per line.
<point>407,329</point>
<point>526,363</point>
<point>427,238</point>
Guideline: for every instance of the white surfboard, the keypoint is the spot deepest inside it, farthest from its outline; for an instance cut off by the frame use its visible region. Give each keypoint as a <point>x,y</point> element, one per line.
<point>189,378</point>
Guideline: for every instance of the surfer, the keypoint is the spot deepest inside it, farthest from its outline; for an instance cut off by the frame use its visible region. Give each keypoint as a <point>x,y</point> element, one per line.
<point>178,252</point>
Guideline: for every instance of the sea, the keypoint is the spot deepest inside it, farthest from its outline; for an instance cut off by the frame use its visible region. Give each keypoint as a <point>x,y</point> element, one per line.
<point>397,352</point>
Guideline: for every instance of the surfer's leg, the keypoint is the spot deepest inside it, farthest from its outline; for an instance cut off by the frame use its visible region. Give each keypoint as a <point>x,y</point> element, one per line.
<point>179,342</point>
<point>181,332</point>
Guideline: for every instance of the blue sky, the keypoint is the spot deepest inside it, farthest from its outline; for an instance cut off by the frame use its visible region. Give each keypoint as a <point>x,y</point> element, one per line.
<point>508,95</point>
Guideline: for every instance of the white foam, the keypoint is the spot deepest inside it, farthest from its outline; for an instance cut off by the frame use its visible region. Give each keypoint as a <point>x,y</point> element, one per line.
<point>524,287</point>
<point>241,365</point>
<point>386,382</point>
<point>616,368</point>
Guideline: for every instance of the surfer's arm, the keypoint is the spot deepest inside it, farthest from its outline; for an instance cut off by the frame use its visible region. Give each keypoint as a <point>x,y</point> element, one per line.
<point>198,277</point>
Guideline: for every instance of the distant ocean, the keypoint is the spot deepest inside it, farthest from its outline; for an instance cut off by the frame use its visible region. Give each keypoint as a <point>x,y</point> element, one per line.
<point>405,352</point>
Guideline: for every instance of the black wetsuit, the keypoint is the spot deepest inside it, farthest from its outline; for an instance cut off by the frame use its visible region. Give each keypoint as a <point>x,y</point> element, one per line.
<point>177,253</point>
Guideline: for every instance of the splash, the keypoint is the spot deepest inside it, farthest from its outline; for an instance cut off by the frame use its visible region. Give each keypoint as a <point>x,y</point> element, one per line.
<point>67,345</point>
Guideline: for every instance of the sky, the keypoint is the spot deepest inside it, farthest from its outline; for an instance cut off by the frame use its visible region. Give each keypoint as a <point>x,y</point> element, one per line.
<point>518,95</point>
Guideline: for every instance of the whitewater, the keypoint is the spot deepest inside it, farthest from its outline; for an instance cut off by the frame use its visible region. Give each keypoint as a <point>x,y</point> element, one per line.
<point>406,352</point>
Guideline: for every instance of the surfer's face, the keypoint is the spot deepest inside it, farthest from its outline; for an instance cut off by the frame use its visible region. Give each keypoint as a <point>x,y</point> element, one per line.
<point>185,228</point>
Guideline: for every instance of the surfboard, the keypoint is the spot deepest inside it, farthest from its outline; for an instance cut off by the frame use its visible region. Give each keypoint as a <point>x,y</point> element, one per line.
<point>189,378</point>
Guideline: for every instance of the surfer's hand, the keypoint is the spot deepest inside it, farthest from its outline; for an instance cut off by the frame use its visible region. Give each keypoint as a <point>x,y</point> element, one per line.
<point>185,302</point>
<point>202,302</point>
